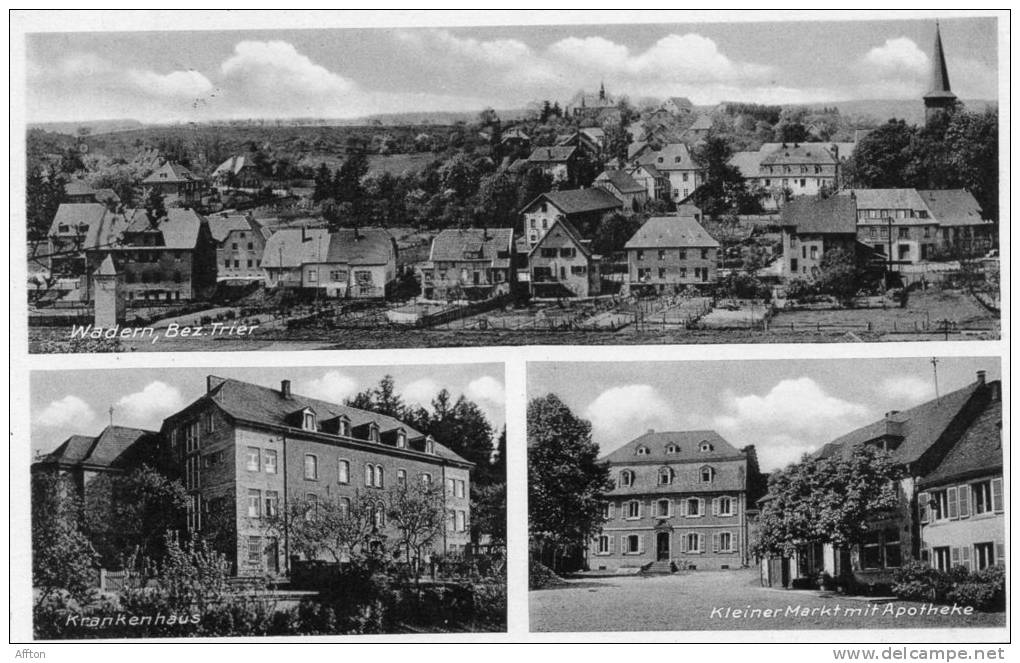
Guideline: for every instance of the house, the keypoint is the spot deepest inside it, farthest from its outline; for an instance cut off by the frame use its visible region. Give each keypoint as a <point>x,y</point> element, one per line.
<point>176,183</point>
<point>679,501</point>
<point>597,106</point>
<point>77,191</point>
<point>472,263</point>
<point>962,227</point>
<point>678,106</point>
<point>631,194</point>
<point>237,172</point>
<point>584,208</point>
<point>558,162</point>
<point>358,263</point>
<point>561,264</point>
<point>896,223</point>
<point>920,440</point>
<point>671,252</point>
<point>83,458</point>
<point>169,259</point>
<point>67,234</point>
<point>785,170</point>
<point>677,162</point>
<point>515,141</point>
<point>240,243</point>
<point>961,502</point>
<point>655,182</point>
<point>245,452</point>
<point>699,130</point>
<point>813,226</point>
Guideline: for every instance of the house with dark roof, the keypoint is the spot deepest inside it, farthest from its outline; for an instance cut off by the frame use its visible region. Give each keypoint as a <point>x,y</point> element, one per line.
<point>962,226</point>
<point>67,234</point>
<point>115,450</point>
<point>583,208</point>
<point>237,172</point>
<point>677,162</point>
<point>699,130</point>
<point>922,441</point>
<point>240,244</point>
<point>562,265</point>
<point>671,252</point>
<point>811,227</point>
<point>353,263</point>
<point>655,182</point>
<point>175,182</point>
<point>787,170</point>
<point>77,191</point>
<point>246,452</point>
<point>631,194</point>
<point>558,161</point>
<point>469,263</point>
<point>680,501</point>
<point>679,106</point>
<point>600,105</point>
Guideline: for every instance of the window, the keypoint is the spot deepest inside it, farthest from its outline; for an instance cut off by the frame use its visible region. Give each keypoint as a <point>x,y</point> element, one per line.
<point>603,545</point>
<point>706,446</point>
<point>272,503</point>
<point>940,558</point>
<point>707,475</point>
<point>725,507</point>
<point>938,505</point>
<point>903,233</point>
<point>665,476</point>
<point>343,471</point>
<point>460,488</point>
<point>704,254</point>
<point>426,479</point>
<point>683,254</point>
<point>892,553</point>
<point>269,461</point>
<point>662,254</point>
<point>640,254</point>
<point>548,253</point>
<point>673,449</point>
<point>255,550</point>
<point>633,544</point>
<point>380,516</point>
<point>692,543</point>
<point>662,509</point>
<point>254,503</point>
<point>633,509</point>
<point>607,510</point>
<point>693,507</point>
<point>662,272</point>
<point>984,555</point>
<point>642,450</point>
<point>981,494</point>
<point>401,440</point>
<point>401,477</point>
<point>626,478</point>
<point>871,551</point>
<point>313,276</point>
<point>369,475</point>
<point>377,480</point>
<point>252,464</point>
<point>725,542</point>
<point>313,506</point>
<point>311,467</point>
<point>308,420</point>
<point>568,252</point>
<point>345,507</point>
<point>461,521</point>
<point>373,432</point>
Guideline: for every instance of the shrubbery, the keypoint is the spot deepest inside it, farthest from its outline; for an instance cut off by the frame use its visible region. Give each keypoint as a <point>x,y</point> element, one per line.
<point>983,590</point>
<point>540,575</point>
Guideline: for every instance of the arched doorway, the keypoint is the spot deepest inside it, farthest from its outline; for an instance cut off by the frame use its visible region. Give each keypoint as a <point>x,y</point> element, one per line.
<point>662,546</point>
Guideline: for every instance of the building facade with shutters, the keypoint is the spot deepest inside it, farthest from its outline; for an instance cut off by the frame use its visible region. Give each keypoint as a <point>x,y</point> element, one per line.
<point>679,502</point>
<point>246,452</point>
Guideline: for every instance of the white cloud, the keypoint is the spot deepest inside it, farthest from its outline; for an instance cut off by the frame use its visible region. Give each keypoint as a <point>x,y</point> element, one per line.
<point>795,417</point>
<point>148,406</point>
<point>188,84</point>
<point>333,386</point>
<point>420,392</point>
<point>65,412</point>
<point>907,389</point>
<point>899,56</point>
<point>620,414</point>
<point>486,389</point>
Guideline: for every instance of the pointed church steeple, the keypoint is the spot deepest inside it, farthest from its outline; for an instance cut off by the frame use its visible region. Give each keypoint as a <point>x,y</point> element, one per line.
<point>940,97</point>
<point>602,90</point>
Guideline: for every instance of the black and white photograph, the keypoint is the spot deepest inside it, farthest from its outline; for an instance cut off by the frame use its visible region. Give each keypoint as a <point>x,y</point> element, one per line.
<point>778,495</point>
<point>714,182</point>
<point>254,502</point>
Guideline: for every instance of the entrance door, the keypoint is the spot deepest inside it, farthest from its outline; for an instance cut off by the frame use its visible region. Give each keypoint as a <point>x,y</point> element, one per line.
<point>662,546</point>
<point>272,553</point>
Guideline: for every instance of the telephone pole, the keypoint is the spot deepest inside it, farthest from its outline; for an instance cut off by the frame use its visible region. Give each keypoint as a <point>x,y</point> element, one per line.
<point>935,371</point>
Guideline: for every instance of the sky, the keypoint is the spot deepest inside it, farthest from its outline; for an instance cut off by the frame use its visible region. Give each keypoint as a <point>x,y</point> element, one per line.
<point>786,408</point>
<point>65,403</point>
<point>163,76</point>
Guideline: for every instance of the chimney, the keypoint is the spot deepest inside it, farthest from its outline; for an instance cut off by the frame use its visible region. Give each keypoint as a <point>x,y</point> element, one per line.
<point>285,389</point>
<point>981,378</point>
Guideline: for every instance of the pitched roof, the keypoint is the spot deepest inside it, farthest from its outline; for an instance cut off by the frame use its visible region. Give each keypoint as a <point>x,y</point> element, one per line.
<point>979,450</point>
<point>920,427</point>
<point>75,215</point>
<point>78,188</point>
<point>554,154</point>
<point>686,462</point>
<point>222,225</point>
<point>671,232</point>
<point>649,168</point>
<point>939,71</point>
<point>746,162</point>
<point>107,268</point>
<point>623,182</point>
<point>179,228</point>
<point>258,404</point>
<point>234,165</point>
<point>702,123</point>
<point>675,156</point>
<point>798,154</point>
<point>889,199</point>
<point>366,246</point>
<point>514,133</point>
<point>171,171</point>
<point>817,216</point>
<point>636,148</point>
<point>681,102</point>
<point>473,244</point>
<point>952,207</point>
<point>293,247</point>
<point>579,201</point>
<point>570,231</point>
<point>104,450</point>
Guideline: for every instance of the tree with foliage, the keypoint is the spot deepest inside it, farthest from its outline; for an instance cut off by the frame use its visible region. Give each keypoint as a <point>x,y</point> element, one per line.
<point>155,207</point>
<point>417,511</point>
<point>43,195</point>
<point>331,525</point>
<point>382,398</point>
<point>62,556</point>
<point>613,232</point>
<point>497,201</point>
<point>883,158</point>
<point>827,500</point>
<point>566,483</point>
<point>724,190</point>
<point>838,274</point>
<point>323,184</point>
<point>187,577</point>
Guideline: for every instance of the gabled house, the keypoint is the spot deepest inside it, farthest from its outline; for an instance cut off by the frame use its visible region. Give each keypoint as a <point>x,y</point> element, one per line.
<point>359,263</point>
<point>558,162</point>
<point>677,162</point>
<point>655,182</point>
<point>962,226</point>
<point>679,501</point>
<point>670,252</point>
<point>631,194</point>
<point>77,191</point>
<point>473,263</point>
<point>83,458</point>
<point>599,106</point>
<point>814,226</point>
<point>785,170</point>
<point>175,182</point>
<point>583,208</point>
<point>699,130</point>
<point>561,264</point>
<point>237,172</point>
<point>679,106</point>
<point>67,235</point>
<point>240,243</point>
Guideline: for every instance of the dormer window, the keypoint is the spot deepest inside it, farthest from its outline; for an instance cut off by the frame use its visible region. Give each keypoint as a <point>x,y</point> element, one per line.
<point>642,451</point>
<point>673,449</point>
<point>626,478</point>
<point>707,474</point>
<point>308,420</point>
<point>373,432</point>
<point>401,439</point>
<point>706,446</point>
<point>430,445</point>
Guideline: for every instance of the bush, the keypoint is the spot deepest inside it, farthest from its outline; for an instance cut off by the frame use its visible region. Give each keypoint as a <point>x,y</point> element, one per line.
<point>984,590</point>
<point>799,288</point>
<point>540,575</point>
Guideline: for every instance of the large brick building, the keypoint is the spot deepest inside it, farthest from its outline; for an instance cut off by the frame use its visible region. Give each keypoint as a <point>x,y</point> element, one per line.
<point>247,451</point>
<point>671,252</point>
<point>679,501</point>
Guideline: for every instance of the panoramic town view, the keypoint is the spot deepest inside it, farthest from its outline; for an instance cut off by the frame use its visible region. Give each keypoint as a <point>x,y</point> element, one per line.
<point>779,495</point>
<point>245,502</point>
<point>306,190</point>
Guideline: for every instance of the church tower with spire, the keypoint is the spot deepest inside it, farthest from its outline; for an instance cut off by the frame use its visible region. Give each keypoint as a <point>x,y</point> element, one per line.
<point>939,98</point>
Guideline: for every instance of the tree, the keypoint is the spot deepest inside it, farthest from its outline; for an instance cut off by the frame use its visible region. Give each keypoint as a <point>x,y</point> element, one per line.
<point>323,184</point>
<point>418,513</point>
<point>497,201</point>
<point>188,577</point>
<point>337,526</point>
<point>566,484</point>
<point>155,208</point>
<point>613,232</point>
<point>43,195</point>
<point>827,500</point>
<point>724,190</point>
<point>383,399</point>
<point>838,274</point>
<point>62,557</point>
<point>882,159</point>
